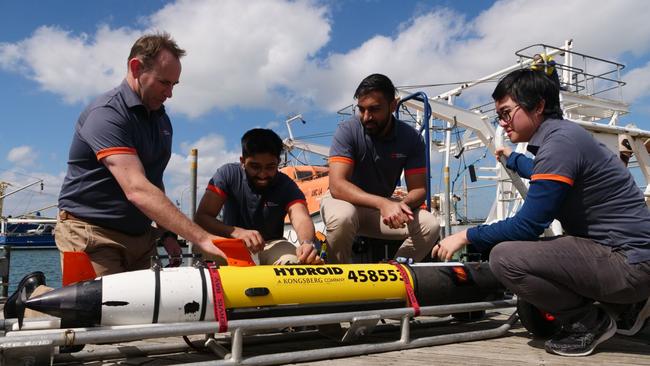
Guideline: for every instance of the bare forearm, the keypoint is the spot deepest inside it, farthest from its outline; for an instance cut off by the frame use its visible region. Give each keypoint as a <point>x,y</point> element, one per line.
<point>155,205</point>
<point>415,197</point>
<point>347,191</point>
<point>304,229</point>
<point>212,225</point>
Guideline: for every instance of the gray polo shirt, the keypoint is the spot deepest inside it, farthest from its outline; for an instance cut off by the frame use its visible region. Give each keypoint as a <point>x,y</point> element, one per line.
<point>114,123</point>
<point>252,209</point>
<point>379,162</point>
<point>604,203</point>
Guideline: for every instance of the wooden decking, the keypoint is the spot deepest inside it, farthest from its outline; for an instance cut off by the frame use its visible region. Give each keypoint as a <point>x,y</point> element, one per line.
<point>515,348</point>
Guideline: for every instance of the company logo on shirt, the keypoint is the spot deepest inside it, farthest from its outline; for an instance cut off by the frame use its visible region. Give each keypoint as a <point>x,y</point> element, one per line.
<point>270,204</point>
<point>397,156</point>
<point>166,133</point>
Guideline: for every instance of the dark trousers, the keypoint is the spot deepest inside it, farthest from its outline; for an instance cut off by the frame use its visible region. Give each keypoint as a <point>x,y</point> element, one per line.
<point>565,275</point>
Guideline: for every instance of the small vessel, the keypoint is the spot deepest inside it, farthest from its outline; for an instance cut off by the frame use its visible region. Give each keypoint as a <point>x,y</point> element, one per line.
<point>26,231</point>
<point>36,233</point>
<point>313,181</point>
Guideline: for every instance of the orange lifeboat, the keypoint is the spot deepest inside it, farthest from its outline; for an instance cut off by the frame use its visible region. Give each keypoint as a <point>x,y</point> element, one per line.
<point>313,181</point>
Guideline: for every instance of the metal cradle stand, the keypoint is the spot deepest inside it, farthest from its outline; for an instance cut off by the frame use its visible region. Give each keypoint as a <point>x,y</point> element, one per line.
<point>40,346</point>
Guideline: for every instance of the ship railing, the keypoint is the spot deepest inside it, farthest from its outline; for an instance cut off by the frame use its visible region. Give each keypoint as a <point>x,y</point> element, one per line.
<point>592,97</point>
<point>580,73</point>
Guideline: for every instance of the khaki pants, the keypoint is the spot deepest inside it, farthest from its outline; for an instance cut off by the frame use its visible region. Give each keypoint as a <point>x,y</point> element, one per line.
<point>110,251</point>
<point>275,252</point>
<point>344,221</point>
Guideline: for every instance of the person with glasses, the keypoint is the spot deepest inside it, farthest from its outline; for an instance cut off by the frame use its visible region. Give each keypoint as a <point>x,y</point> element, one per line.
<point>369,152</point>
<point>603,255</point>
<point>255,198</point>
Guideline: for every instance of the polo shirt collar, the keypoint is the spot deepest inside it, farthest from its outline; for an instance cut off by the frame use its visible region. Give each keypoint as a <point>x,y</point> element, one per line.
<point>539,136</point>
<point>133,100</point>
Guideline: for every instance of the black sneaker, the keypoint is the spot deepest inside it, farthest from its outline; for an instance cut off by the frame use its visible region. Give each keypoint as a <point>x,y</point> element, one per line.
<point>632,320</point>
<point>29,283</point>
<point>576,339</point>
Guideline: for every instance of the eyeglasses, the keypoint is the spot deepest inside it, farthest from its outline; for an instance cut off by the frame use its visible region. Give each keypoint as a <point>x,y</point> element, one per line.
<point>507,114</point>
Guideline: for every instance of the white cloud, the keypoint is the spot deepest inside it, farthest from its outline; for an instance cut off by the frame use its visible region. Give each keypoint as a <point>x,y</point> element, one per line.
<point>262,53</point>
<point>241,53</point>
<point>638,82</point>
<point>22,155</point>
<point>272,125</point>
<point>212,153</point>
<point>75,67</point>
<point>443,46</point>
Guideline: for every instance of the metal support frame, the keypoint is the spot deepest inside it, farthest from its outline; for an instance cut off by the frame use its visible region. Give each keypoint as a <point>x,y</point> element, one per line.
<point>581,106</point>
<point>14,342</point>
<point>483,130</point>
<point>422,97</point>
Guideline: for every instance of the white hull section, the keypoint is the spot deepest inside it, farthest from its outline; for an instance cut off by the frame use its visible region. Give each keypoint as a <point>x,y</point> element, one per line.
<point>181,302</point>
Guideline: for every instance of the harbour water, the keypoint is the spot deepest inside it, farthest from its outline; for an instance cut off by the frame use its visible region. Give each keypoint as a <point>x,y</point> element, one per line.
<point>44,260</point>
<point>27,261</point>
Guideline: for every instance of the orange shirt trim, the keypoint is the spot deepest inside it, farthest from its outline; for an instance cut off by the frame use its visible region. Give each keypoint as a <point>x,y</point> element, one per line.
<point>554,177</point>
<point>217,190</point>
<point>115,151</point>
<point>294,202</point>
<point>415,171</point>
<point>341,159</point>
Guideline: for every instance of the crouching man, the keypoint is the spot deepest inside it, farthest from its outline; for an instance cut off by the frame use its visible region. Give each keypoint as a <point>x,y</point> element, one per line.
<point>368,154</point>
<point>255,198</point>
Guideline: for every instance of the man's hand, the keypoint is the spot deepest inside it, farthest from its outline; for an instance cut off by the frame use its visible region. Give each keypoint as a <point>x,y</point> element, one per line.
<point>502,151</point>
<point>307,254</point>
<point>252,238</point>
<point>395,214</point>
<point>174,251</point>
<point>207,247</point>
<point>449,245</point>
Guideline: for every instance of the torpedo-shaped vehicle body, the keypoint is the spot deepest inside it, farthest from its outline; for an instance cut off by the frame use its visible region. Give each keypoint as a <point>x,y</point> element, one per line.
<point>187,294</point>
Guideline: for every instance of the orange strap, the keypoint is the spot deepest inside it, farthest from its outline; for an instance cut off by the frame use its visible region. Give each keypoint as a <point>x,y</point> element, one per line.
<point>410,294</point>
<point>217,296</point>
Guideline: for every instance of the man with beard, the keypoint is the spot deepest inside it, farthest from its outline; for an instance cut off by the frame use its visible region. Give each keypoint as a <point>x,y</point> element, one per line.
<point>367,157</point>
<point>256,197</point>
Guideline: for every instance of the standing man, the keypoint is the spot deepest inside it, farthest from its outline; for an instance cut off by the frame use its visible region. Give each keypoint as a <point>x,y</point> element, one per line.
<point>256,197</point>
<point>114,185</point>
<point>604,255</point>
<point>367,157</point>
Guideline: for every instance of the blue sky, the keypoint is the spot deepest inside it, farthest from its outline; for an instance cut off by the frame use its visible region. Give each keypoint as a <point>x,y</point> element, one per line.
<point>253,63</point>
